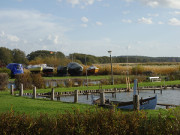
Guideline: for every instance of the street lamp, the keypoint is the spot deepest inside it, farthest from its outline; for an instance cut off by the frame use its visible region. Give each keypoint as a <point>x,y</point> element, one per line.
<point>112,79</point>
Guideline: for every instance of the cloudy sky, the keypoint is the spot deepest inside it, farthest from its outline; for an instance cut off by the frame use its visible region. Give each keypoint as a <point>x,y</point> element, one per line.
<point>126,27</point>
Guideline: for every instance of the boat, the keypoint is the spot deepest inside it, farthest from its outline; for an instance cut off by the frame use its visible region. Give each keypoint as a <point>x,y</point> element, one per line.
<point>36,68</point>
<point>75,69</point>
<point>15,68</point>
<point>92,70</point>
<point>62,71</point>
<point>48,71</point>
<point>147,103</point>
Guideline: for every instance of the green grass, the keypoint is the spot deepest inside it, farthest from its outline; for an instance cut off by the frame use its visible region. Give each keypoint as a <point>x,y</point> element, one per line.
<point>35,107</point>
<point>93,77</point>
<point>65,89</point>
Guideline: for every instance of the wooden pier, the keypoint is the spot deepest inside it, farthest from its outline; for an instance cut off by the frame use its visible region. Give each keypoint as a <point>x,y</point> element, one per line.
<point>168,105</point>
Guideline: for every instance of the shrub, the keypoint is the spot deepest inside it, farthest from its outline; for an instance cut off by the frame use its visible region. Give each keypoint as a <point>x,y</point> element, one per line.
<point>38,81</point>
<point>25,79</point>
<point>101,121</point>
<point>68,83</point>
<point>5,70</point>
<point>137,70</point>
<point>3,81</point>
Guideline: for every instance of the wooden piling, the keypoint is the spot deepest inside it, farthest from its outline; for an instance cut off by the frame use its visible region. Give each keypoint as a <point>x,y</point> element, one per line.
<point>87,96</point>
<point>136,102</point>
<point>52,94</point>
<point>12,90</point>
<point>102,98</point>
<point>58,98</point>
<point>75,96</point>
<point>34,92</point>
<point>21,90</point>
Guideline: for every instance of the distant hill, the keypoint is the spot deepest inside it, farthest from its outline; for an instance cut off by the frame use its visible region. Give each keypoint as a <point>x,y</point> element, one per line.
<point>122,59</point>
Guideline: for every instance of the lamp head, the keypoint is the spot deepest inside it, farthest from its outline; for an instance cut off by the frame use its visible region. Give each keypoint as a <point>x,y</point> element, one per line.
<point>109,52</point>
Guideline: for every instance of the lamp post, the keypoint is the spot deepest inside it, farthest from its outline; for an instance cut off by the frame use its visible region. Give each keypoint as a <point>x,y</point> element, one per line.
<point>112,79</point>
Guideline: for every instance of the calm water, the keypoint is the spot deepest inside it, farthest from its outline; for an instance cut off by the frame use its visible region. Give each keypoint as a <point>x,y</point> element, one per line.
<point>167,97</point>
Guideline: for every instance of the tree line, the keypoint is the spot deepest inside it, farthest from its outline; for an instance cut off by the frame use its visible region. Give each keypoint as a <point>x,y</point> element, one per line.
<point>58,58</point>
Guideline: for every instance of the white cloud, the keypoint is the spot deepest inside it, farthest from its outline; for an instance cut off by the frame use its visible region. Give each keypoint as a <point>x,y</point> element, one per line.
<point>175,13</point>
<point>9,37</point>
<point>84,19</point>
<point>145,20</point>
<point>160,22</point>
<point>174,21</point>
<point>79,2</point>
<point>127,21</point>
<point>73,2</point>
<point>163,3</point>
<point>99,23</point>
<point>153,15</point>
<point>56,39</point>
<point>84,25</point>
<point>125,12</point>
<point>30,30</point>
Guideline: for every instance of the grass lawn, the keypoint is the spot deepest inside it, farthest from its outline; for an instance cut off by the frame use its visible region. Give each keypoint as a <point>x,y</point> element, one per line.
<point>36,106</point>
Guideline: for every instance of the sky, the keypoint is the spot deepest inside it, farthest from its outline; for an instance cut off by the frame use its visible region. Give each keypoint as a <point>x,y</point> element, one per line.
<point>126,27</point>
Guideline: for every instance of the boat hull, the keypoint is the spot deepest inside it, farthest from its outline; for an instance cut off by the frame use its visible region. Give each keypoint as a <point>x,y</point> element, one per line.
<point>149,103</point>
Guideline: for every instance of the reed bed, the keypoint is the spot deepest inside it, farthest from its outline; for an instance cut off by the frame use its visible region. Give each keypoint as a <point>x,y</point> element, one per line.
<point>133,69</point>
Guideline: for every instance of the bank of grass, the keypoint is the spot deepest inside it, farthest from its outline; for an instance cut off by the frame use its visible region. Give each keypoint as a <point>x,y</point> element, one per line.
<point>35,107</point>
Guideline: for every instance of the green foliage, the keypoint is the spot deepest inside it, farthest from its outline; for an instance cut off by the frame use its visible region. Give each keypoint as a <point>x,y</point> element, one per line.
<point>24,79</point>
<point>102,121</point>
<point>137,70</point>
<point>44,53</point>
<point>3,81</point>
<point>5,70</point>
<point>12,56</point>
<point>38,81</point>
<point>29,80</point>
<point>6,55</point>
<point>19,56</point>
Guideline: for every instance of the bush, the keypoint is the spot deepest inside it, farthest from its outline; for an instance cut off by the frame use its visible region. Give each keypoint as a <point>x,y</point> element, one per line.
<point>5,70</point>
<point>24,79</point>
<point>137,70</point>
<point>3,81</point>
<point>29,80</point>
<point>38,81</point>
<point>99,122</point>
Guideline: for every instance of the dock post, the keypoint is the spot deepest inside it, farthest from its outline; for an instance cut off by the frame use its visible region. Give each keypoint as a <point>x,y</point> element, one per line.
<point>52,94</point>
<point>102,98</point>
<point>12,90</point>
<point>87,96</point>
<point>154,91</point>
<point>58,98</point>
<point>136,102</point>
<point>21,90</point>
<point>34,92</point>
<point>75,96</point>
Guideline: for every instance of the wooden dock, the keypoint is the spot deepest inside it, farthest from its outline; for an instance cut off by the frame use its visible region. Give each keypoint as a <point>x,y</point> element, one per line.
<point>168,105</point>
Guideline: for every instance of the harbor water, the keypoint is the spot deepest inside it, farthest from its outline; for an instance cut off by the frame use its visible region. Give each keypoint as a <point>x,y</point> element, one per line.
<point>168,96</point>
